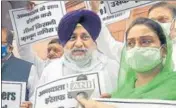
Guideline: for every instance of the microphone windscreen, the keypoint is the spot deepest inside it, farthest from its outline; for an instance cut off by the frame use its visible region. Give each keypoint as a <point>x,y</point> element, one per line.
<point>81,77</point>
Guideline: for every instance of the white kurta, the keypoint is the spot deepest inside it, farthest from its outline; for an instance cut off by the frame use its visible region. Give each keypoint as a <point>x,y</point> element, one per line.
<point>108,70</point>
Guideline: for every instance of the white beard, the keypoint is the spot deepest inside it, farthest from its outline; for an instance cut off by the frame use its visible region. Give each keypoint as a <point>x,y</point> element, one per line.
<point>79,60</point>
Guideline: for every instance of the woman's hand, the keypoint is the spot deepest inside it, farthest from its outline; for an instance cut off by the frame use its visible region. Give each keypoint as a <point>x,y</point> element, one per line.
<point>105,95</point>
<point>92,104</point>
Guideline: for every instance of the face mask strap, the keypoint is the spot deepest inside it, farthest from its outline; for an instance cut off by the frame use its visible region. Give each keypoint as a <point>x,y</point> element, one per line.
<point>163,46</point>
<point>174,20</point>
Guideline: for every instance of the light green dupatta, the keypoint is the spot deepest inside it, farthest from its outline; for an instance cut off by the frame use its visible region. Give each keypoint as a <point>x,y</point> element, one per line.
<point>163,86</point>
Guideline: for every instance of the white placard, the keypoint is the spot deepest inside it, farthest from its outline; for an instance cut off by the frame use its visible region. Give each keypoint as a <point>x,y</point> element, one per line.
<point>105,16</point>
<point>113,11</point>
<point>55,94</point>
<point>13,93</point>
<point>109,19</point>
<point>118,6</point>
<point>138,103</point>
<point>37,24</point>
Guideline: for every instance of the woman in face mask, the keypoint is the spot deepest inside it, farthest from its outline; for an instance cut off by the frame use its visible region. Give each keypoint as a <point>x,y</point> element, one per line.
<point>146,70</point>
<point>146,65</point>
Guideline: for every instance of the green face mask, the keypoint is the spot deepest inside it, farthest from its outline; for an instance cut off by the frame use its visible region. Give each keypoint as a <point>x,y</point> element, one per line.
<point>143,59</point>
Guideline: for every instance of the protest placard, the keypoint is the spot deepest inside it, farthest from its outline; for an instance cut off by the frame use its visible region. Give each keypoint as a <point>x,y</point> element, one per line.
<point>136,103</point>
<point>55,94</point>
<point>104,14</point>
<point>13,93</point>
<point>118,6</point>
<point>37,24</point>
<point>113,11</point>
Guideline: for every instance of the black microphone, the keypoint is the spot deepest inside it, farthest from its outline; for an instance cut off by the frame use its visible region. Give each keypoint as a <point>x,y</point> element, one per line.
<point>81,77</point>
<point>82,94</point>
<point>82,87</point>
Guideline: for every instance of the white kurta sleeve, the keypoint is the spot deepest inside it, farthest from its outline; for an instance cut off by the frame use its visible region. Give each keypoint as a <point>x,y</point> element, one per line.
<point>32,81</point>
<point>42,80</point>
<point>27,54</point>
<point>108,45</point>
<point>32,95</point>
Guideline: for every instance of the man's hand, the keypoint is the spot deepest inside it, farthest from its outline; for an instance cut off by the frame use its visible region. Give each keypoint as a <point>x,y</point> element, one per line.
<point>105,95</point>
<point>30,5</point>
<point>95,5</point>
<point>92,103</point>
<point>26,104</point>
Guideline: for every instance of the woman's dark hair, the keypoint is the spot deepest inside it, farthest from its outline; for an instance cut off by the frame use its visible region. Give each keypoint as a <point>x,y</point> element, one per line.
<point>154,26</point>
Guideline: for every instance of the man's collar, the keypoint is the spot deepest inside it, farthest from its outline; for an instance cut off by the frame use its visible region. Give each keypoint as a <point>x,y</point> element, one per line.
<point>6,58</point>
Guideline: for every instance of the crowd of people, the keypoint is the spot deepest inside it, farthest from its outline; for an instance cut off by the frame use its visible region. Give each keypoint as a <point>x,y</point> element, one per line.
<point>143,67</point>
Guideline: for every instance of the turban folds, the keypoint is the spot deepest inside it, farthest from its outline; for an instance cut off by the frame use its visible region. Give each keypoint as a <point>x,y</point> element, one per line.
<point>88,19</point>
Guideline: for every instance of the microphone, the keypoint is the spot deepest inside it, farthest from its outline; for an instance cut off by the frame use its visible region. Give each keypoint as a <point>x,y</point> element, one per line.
<point>80,78</point>
<point>81,87</point>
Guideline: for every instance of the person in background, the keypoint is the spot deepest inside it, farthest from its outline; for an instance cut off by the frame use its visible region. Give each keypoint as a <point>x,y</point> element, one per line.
<point>14,69</point>
<point>54,51</point>
<point>165,13</point>
<point>162,12</point>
